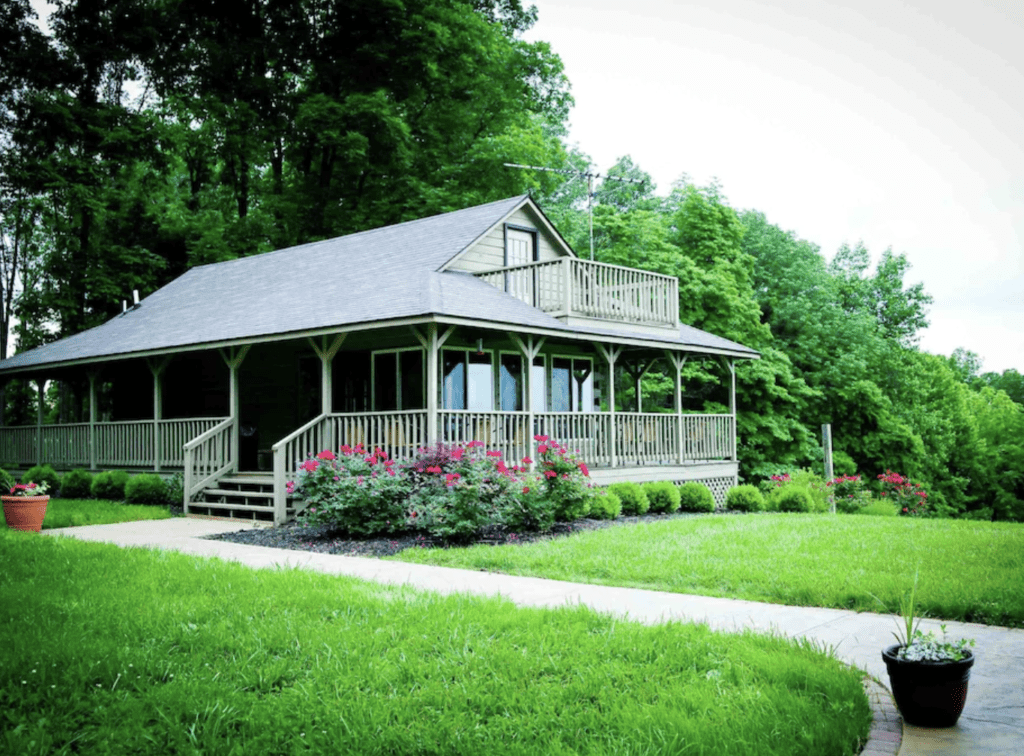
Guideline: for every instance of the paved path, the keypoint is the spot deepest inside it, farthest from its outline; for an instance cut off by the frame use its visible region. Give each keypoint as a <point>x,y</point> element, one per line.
<point>992,722</point>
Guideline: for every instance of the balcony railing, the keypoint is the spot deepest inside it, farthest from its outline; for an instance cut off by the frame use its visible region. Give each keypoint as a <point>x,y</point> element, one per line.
<point>570,286</point>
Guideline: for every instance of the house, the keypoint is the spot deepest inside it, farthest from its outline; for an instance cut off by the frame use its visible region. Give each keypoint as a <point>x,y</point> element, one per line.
<point>480,324</point>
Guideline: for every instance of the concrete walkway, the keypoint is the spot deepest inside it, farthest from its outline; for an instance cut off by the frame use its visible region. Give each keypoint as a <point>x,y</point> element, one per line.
<point>992,722</point>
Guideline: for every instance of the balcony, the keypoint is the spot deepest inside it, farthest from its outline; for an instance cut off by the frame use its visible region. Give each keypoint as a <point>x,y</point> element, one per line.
<point>570,288</point>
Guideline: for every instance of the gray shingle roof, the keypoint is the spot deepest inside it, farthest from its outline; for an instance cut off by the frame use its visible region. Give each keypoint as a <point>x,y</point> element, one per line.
<point>377,275</point>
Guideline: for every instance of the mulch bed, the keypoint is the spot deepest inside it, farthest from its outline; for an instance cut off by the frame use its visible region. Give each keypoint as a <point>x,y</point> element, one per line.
<point>322,539</point>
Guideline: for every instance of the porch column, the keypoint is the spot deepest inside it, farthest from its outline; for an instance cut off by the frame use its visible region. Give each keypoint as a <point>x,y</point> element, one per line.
<point>93,375</point>
<point>530,350</point>
<point>611,354</point>
<point>41,389</point>
<point>326,352</point>
<point>677,361</point>
<point>233,357</point>
<point>157,367</point>
<point>732,405</point>
<point>432,343</point>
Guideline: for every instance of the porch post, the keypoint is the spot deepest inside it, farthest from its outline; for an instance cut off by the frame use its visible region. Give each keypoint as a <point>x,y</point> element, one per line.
<point>233,357</point>
<point>93,375</point>
<point>530,350</point>
<point>611,354</point>
<point>678,362</point>
<point>41,389</point>
<point>432,343</point>
<point>732,406</point>
<point>327,352</point>
<point>156,367</point>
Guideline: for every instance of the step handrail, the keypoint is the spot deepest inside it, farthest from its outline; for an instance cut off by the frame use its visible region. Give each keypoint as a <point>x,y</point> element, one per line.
<point>190,484</point>
<point>281,473</point>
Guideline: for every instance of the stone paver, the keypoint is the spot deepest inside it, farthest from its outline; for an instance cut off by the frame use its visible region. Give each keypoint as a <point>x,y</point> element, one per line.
<point>992,722</point>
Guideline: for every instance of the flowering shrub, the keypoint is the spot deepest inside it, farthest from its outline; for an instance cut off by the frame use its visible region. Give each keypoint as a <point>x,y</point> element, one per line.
<point>355,491</point>
<point>849,493</point>
<point>567,479</point>
<point>810,482</point>
<point>530,508</point>
<point>909,496</point>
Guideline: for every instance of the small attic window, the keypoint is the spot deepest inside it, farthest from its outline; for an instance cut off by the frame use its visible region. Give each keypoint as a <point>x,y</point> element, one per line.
<point>520,245</point>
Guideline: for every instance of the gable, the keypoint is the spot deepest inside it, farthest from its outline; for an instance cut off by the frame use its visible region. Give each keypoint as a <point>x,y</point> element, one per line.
<point>488,252</point>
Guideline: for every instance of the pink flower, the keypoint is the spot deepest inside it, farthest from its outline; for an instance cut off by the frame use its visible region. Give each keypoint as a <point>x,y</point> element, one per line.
<point>526,489</point>
<point>527,461</point>
<point>541,438</point>
<point>584,470</point>
<point>326,454</point>
<point>434,469</point>
<point>493,453</point>
<point>471,444</point>
<point>309,465</point>
<point>500,467</point>
<point>457,454</point>
<point>542,449</point>
<point>346,449</point>
<point>550,474</point>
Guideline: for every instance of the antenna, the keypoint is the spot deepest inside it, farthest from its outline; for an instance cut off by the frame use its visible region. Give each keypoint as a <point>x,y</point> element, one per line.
<point>589,176</point>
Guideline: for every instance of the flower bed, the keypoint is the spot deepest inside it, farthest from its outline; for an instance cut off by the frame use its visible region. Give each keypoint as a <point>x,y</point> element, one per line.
<point>449,493</point>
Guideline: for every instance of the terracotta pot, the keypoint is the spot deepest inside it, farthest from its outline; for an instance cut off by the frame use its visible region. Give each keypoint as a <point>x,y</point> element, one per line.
<point>928,694</point>
<point>25,512</point>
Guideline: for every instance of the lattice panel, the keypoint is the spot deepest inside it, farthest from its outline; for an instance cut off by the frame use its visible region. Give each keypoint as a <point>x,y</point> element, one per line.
<point>718,487</point>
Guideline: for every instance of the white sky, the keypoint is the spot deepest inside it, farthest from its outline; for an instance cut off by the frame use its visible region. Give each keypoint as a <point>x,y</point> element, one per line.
<point>896,123</point>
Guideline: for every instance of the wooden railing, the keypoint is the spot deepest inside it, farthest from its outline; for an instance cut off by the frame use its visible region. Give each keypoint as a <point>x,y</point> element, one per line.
<point>649,438</point>
<point>583,432</point>
<point>709,437</point>
<point>208,456</point>
<point>507,432</point>
<point>120,444</point>
<point>570,286</point>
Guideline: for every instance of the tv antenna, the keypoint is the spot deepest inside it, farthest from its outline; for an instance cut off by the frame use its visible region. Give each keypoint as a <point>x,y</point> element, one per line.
<point>589,176</point>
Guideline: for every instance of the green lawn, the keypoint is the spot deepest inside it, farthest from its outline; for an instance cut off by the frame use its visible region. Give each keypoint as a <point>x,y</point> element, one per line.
<point>109,650</point>
<point>65,513</point>
<point>970,571</point>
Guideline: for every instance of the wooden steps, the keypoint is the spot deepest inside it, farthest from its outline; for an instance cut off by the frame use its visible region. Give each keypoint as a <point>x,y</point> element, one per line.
<point>247,495</point>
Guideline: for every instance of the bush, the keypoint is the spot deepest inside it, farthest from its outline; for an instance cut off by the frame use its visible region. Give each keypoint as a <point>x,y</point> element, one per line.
<point>793,499</point>
<point>849,493</point>
<point>744,498</point>
<point>567,479</point>
<point>663,496</point>
<point>634,500</point>
<point>695,497</point>
<point>110,485</point>
<point>805,479</point>
<point>909,496</point>
<point>147,488</point>
<point>6,481</point>
<point>176,490</point>
<point>76,484</point>
<point>530,509</point>
<point>605,505</point>
<point>843,464</point>
<point>43,474</point>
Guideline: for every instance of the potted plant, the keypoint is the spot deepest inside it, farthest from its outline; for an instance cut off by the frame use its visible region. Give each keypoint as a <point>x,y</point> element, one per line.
<point>25,506</point>
<point>928,676</point>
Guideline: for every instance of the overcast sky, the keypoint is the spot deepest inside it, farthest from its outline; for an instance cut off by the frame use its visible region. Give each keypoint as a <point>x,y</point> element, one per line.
<point>896,123</point>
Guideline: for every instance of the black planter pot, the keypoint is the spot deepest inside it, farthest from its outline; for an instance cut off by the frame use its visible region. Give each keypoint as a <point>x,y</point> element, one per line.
<point>928,694</point>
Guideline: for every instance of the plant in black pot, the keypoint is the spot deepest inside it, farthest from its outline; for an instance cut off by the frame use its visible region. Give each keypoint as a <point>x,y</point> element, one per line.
<point>928,676</point>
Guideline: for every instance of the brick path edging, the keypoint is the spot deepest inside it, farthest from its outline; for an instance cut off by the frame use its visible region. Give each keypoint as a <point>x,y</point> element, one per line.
<point>886,733</point>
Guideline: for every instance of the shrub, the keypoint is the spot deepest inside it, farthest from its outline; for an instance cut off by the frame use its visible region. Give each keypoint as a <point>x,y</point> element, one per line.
<point>809,481</point>
<point>110,485</point>
<point>529,509</point>
<point>843,464</point>
<point>744,498</point>
<point>695,497</point>
<point>793,499</point>
<point>76,484</point>
<point>605,505</point>
<point>567,479</point>
<point>147,488</point>
<point>6,481</point>
<point>634,500</point>
<point>176,490</point>
<point>909,496</point>
<point>849,493</point>
<point>663,496</point>
<point>43,474</point>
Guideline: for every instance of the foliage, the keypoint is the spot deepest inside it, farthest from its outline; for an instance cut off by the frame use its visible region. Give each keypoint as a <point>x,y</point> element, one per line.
<point>145,488</point>
<point>6,481</point>
<point>76,484</point>
<point>531,509</point>
<point>843,464</point>
<point>176,490</point>
<point>42,474</point>
<point>663,496</point>
<point>792,499</point>
<point>109,485</point>
<point>634,500</point>
<point>910,497</point>
<point>878,508</point>
<point>605,505</point>
<point>695,497</point>
<point>567,479</point>
<point>926,647</point>
<point>745,498</point>
<point>29,489</point>
<point>806,480</point>
<point>849,493</point>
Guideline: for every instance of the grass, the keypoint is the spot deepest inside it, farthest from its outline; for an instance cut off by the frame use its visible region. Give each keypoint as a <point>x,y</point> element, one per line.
<point>970,571</point>
<point>109,650</point>
<point>66,513</point>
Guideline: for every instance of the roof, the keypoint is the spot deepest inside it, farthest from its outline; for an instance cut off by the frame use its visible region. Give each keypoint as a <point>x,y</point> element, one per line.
<point>382,274</point>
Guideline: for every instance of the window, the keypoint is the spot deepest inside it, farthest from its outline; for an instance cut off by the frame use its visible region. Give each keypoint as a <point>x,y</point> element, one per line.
<point>510,382</point>
<point>468,380</point>
<point>398,380</point>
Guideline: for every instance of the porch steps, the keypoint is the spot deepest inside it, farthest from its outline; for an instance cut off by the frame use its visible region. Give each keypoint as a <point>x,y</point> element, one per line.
<point>241,496</point>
